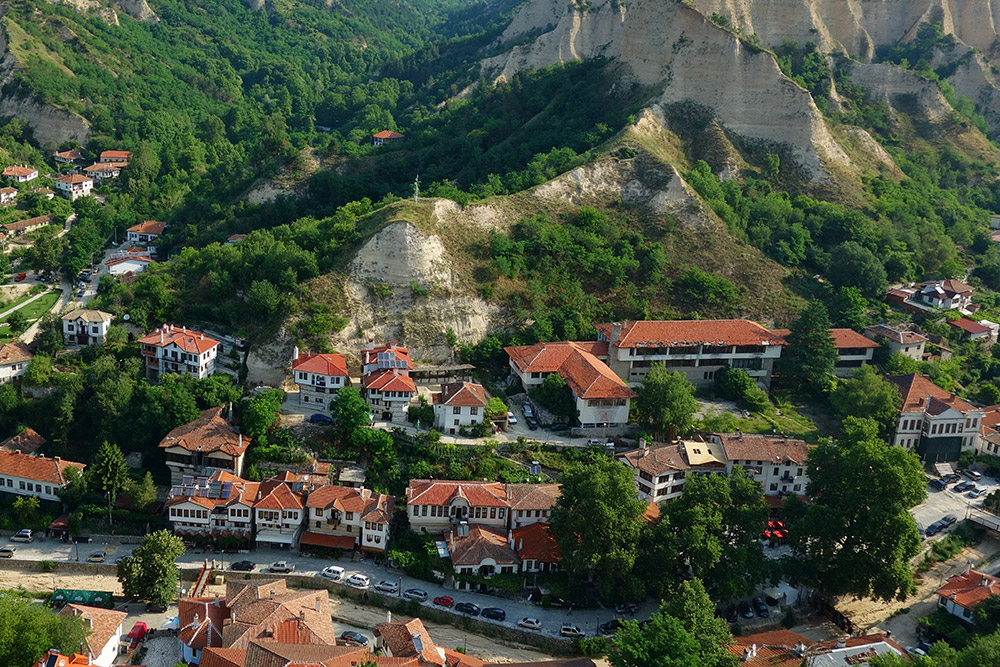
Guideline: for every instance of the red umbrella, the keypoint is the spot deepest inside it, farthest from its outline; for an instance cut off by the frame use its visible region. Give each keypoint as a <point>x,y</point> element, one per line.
<point>767,534</point>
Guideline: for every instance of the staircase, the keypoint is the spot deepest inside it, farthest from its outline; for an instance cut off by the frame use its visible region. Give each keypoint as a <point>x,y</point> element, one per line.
<point>202,581</point>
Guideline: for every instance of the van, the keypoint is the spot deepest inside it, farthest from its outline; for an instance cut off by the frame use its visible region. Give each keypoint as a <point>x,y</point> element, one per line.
<point>23,535</point>
<point>973,475</point>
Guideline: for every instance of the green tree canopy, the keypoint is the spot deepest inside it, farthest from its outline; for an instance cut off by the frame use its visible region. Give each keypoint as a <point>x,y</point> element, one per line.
<point>349,412</point>
<point>555,396</point>
<point>666,402</point>
<point>260,414</point>
<point>868,395</point>
<point>28,631</point>
<point>150,573</point>
<point>597,521</point>
<point>108,472</point>
<point>807,360</point>
<point>17,321</point>
<point>853,265</point>
<point>857,535</point>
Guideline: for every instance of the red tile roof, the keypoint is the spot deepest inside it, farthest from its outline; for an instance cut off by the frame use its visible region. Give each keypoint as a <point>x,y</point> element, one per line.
<point>682,333</point>
<point>843,338</point>
<point>397,353</point>
<point>223,657</point>
<point>899,336</point>
<point>74,178</point>
<point>387,134</point>
<point>14,353</point>
<point>536,542</point>
<point>651,515</point>
<point>37,468</point>
<point>398,639</point>
<point>386,380</point>
<point>276,495</point>
<point>656,460</point>
<point>26,442</point>
<point>201,620</point>
<point>442,492</point>
<point>29,223</point>
<point>462,393</point>
<point>970,589</point>
<point>148,227</point>
<point>587,376</point>
<point>116,155</point>
<point>480,544</point>
<point>969,326</point>
<point>916,389</point>
<point>343,498</point>
<point>321,364</point>
<point>549,357</point>
<point>105,167</point>
<point>456,659</point>
<point>104,624</point>
<point>208,433</point>
<point>950,286</point>
<point>532,496</point>
<point>754,447</point>
<point>189,340</point>
<point>68,155</point>
<point>345,542</point>
<point>18,170</point>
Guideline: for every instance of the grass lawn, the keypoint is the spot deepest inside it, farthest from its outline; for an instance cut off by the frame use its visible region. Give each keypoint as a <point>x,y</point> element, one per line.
<point>36,309</point>
<point>774,420</point>
<point>5,335</point>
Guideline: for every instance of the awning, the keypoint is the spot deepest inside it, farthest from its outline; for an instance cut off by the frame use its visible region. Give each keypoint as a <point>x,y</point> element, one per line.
<point>62,523</point>
<point>323,540</point>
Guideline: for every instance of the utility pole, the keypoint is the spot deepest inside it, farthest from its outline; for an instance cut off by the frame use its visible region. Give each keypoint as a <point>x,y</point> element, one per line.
<point>416,188</point>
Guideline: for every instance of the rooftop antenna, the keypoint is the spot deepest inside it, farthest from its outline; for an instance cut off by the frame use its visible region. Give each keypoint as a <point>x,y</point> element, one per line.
<point>416,188</point>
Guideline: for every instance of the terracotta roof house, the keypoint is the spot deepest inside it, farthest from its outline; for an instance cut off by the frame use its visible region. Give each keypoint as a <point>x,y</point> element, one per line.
<point>172,349</point>
<point>853,351</point>
<point>972,330</point>
<point>106,629</point>
<point>906,342</point>
<point>40,476</point>
<point>384,136</point>
<point>101,170</point>
<point>784,648</point>
<point>459,404</point>
<point>934,423</point>
<point>67,157</point>
<point>342,517</point>
<point>7,195</point>
<point>319,377</point>
<point>531,503</point>
<point>279,512</point>
<point>72,186</point>
<point>385,357</point>
<point>209,442</point>
<point>777,463</point>
<point>602,398</point>
<point>20,173</point>
<point>25,442</point>
<point>236,239</point>
<point>220,505</point>
<point>660,471</point>
<point>408,640</point>
<point>696,348</point>
<point>115,156</point>
<point>200,622</point>
<point>145,232</point>
<point>223,657</point>
<point>83,327</point>
<point>31,224</point>
<point>945,294</point>
<point>964,592</point>
<point>479,550</point>
<point>434,505</point>
<point>14,358</point>
<point>385,381</point>
<point>261,609</point>
<point>537,548</point>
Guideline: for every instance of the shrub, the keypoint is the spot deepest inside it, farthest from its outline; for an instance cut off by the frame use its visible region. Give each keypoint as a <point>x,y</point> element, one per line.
<point>592,647</point>
<point>47,566</point>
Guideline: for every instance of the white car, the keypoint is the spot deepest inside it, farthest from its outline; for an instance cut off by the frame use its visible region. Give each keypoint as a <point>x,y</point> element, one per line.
<point>358,581</point>
<point>511,419</point>
<point>281,566</point>
<point>386,586</point>
<point>334,572</point>
<point>23,535</point>
<point>530,623</point>
<point>568,630</point>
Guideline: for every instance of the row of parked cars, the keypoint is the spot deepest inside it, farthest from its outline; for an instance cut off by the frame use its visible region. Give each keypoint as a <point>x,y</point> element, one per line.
<point>939,525</point>
<point>748,609</point>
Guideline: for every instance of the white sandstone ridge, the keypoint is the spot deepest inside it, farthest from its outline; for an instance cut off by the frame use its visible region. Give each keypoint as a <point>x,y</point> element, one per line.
<point>673,48</point>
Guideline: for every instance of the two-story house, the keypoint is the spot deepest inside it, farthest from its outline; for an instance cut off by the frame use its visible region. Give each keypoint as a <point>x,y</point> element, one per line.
<point>172,349</point>
<point>661,471</point>
<point>907,342</point>
<point>945,294</point>
<point>279,512</point>
<point>67,157</point>
<point>342,517</point>
<point>14,359</point>
<point>964,592</point>
<point>208,443</point>
<point>435,505</point>
<point>777,463</point>
<point>537,549</point>
<point>385,379</point>
<point>29,475</point>
<point>602,398</point>
<point>20,173</point>
<point>73,186</point>
<point>104,632</point>
<point>145,232</point>
<point>853,351</point>
<point>115,156</point>
<point>696,348</point>
<point>83,327</point>
<point>104,170</point>
<point>934,423</point>
<point>459,404</point>
<point>973,330</point>
<point>221,504</point>
<point>319,377</point>
<point>530,503</point>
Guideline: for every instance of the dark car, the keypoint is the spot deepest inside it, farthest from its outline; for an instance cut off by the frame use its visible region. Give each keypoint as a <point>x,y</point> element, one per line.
<point>80,293</point>
<point>938,484</point>
<point>494,613</point>
<point>352,638</point>
<point>610,628</point>
<point>934,529</point>
<point>949,519</point>
<point>532,424</point>
<point>467,608</point>
<point>732,614</point>
<point>963,487</point>
<point>746,611</point>
<point>761,608</point>
<point>556,428</point>
<point>243,566</point>
<point>627,608</point>
<point>319,418</point>
<point>951,477</point>
<point>444,601</point>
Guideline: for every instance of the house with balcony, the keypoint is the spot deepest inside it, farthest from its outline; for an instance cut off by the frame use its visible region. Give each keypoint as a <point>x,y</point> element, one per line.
<point>105,170</point>
<point>907,342</point>
<point>661,471</point>
<point>173,349</point>
<point>459,405</point>
<point>435,505</point>
<point>220,505</point>
<point>20,173</point>
<point>341,517</point>
<point>602,398</point>
<point>73,186</point>
<point>934,423</point>
<point>964,592</point>
<point>385,379</point>
<point>279,512</point>
<point>14,360</point>
<point>776,463</point>
<point>319,377</point>
<point>696,348</point>
<point>853,351</point>
<point>198,448</point>
<point>29,475</point>
<point>82,327</point>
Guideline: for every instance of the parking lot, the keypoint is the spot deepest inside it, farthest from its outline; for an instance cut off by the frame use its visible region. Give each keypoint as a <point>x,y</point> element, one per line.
<point>940,503</point>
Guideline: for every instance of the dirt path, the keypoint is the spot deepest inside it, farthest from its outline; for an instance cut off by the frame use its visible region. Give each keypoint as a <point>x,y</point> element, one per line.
<point>47,581</point>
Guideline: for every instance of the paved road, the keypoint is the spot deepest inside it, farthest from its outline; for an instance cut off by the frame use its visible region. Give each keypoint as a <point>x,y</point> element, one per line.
<point>939,503</point>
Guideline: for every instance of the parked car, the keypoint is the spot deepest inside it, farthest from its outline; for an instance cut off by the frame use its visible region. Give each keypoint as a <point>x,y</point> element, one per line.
<point>528,410</point>
<point>121,558</point>
<point>320,418</point>
<point>972,474</point>
<point>97,557</point>
<point>23,535</point>
<point>949,519</point>
<point>511,419</point>
<point>494,613</point>
<point>627,608</point>
<point>532,424</point>
<point>530,623</point>
<point>334,572</point>
<point>80,294</point>
<point>415,594</point>
<point>732,614</point>
<point>963,487</point>
<point>358,581</point>
<point>352,638</point>
<point>951,477</point>
<point>557,428</point>
<point>746,611</point>
<point>610,628</point>
<point>444,601</point>
<point>21,276</point>
<point>467,608</point>
<point>975,493</point>
<point>568,630</point>
<point>761,608</point>
<point>243,566</point>
<point>8,552</point>
<point>934,528</point>
<point>281,566</point>
<point>386,586</point>
<point>938,484</point>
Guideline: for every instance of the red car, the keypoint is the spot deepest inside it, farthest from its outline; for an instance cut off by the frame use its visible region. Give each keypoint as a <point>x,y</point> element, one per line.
<point>19,277</point>
<point>444,601</point>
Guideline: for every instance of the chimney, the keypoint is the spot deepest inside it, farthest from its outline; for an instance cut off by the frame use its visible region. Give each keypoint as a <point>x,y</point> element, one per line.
<point>510,539</point>
<point>302,616</point>
<point>451,534</point>
<point>520,544</point>
<point>90,622</point>
<point>800,649</point>
<point>318,603</point>
<point>616,332</point>
<point>642,443</point>
<point>841,643</point>
<point>184,329</point>
<point>295,353</point>
<point>203,336</point>
<point>162,337</point>
<point>272,593</point>
<point>196,619</point>
<point>388,617</point>
<point>371,343</point>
